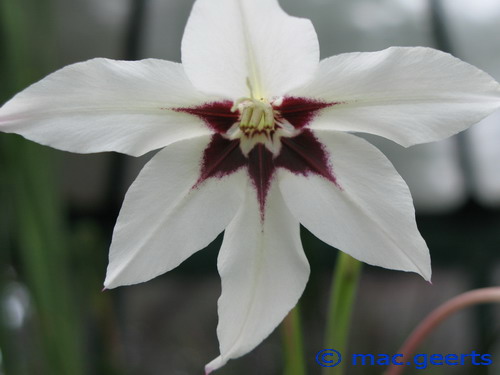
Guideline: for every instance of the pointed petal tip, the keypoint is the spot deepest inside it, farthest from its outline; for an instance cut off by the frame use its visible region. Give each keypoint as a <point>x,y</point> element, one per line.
<point>426,273</point>
<point>215,364</point>
<point>423,270</point>
<point>428,277</point>
<point>106,285</point>
<point>112,284</point>
<point>109,283</point>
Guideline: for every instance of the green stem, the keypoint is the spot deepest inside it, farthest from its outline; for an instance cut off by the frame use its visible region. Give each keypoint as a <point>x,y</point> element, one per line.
<point>342,295</point>
<point>293,344</point>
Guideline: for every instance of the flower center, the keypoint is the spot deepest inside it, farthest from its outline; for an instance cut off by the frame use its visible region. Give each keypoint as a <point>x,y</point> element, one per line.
<point>256,117</point>
<point>255,121</point>
<point>259,123</point>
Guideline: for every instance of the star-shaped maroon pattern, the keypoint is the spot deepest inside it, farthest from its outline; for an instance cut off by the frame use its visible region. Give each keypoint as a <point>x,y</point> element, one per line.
<point>301,154</point>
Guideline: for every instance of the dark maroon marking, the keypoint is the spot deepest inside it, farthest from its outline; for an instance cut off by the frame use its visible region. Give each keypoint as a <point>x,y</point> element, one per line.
<point>297,111</point>
<point>301,111</point>
<point>261,170</point>
<point>221,158</point>
<point>217,115</point>
<point>305,154</point>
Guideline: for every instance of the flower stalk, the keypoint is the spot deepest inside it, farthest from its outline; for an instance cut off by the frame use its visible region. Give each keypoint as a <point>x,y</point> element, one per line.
<point>295,363</point>
<point>471,298</point>
<point>342,296</point>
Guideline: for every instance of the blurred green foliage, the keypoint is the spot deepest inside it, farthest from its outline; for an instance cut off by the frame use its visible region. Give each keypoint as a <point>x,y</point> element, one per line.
<point>37,249</point>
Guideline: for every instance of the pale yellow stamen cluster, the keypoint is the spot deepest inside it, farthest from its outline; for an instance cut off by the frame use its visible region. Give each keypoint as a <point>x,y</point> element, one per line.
<point>257,116</point>
<point>259,123</point>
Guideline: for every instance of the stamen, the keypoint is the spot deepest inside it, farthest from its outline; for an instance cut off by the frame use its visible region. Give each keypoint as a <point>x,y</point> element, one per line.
<point>256,116</point>
<point>246,116</point>
<point>259,123</point>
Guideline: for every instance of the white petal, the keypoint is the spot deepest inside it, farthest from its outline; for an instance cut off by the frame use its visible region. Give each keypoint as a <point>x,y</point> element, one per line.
<point>264,272</point>
<point>164,219</point>
<point>106,105</point>
<point>369,216</point>
<point>409,95</point>
<point>228,41</point>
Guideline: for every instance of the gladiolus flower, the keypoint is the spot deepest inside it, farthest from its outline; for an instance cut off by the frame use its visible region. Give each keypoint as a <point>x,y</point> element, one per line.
<point>255,138</point>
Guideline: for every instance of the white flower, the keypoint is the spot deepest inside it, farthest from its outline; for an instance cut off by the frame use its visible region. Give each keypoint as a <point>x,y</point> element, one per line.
<point>254,135</point>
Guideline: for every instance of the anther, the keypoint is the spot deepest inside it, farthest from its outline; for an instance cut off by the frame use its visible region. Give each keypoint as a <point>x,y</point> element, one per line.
<point>256,116</point>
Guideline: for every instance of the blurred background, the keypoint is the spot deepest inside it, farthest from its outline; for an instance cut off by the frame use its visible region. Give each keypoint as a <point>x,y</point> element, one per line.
<point>57,209</point>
